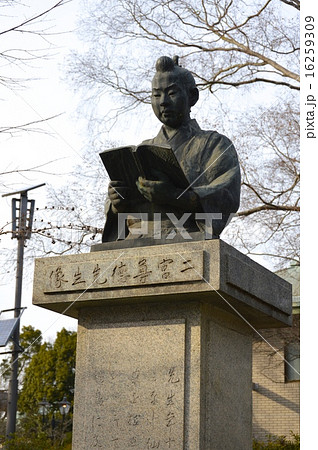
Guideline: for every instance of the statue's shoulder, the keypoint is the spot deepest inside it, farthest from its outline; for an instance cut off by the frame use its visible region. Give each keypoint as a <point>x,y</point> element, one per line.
<point>213,138</point>
<point>148,142</point>
<point>198,131</point>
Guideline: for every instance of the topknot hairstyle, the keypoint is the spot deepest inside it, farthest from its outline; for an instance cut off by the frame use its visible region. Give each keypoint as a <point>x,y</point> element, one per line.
<point>167,64</point>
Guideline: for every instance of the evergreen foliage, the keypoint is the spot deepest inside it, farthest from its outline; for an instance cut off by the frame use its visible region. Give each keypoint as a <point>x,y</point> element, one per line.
<point>278,443</point>
<point>48,373</point>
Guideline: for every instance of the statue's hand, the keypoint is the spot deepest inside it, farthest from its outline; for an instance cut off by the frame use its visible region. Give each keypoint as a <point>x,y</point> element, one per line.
<point>120,196</point>
<point>164,192</point>
<point>160,192</point>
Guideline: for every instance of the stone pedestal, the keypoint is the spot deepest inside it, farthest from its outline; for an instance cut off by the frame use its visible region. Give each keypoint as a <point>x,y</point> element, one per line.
<point>164,353</point>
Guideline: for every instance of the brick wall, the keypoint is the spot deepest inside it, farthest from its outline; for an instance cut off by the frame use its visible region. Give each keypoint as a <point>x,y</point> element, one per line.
<point>275,401</point>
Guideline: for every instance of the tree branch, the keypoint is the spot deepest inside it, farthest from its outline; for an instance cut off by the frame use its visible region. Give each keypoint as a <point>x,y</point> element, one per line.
<point>33,18</point>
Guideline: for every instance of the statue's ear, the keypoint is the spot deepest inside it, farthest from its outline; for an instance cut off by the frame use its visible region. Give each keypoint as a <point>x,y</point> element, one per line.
<point>193,96</point>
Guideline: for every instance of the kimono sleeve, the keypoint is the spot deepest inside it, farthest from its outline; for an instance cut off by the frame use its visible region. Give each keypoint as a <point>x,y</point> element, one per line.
<point>218,183</point>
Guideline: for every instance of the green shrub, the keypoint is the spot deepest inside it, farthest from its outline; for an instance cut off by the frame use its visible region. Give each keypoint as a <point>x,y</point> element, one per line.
<point>31,442</point>
<point>37,442</point>
<point>278,442</point>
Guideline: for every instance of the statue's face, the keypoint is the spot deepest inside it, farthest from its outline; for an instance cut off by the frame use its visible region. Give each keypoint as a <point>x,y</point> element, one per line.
<point>170,99</point>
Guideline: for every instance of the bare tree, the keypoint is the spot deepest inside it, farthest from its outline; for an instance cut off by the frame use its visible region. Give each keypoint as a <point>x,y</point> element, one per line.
<point>73,219</point>
<point>34,25</point>
<point>70,221</point>
<point>252,46</point>
<point>224,43</point>
<point>19,53</point>
<point>268,220</point>
<point>26,39</point>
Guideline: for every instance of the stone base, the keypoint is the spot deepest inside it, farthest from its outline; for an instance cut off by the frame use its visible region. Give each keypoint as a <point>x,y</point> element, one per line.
<point>162,376</point>
<point>164,342</point>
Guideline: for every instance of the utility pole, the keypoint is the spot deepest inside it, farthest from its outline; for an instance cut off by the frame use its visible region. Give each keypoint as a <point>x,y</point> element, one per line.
<point>22,217</point>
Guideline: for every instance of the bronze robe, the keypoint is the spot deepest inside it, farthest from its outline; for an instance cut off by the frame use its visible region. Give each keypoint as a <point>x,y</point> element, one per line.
<point>210,163</point>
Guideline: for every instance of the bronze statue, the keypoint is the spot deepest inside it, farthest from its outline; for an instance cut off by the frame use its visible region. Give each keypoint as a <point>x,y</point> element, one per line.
<point>207,159</point>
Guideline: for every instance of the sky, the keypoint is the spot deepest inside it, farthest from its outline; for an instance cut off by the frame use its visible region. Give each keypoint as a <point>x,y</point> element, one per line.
<point>57,150</point>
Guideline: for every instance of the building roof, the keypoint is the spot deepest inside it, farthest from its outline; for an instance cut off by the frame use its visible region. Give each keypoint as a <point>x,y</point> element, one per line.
<point>292,275</point>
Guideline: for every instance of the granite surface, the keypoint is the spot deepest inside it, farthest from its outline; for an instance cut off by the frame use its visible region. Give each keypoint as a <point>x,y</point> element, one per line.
<point>164,342</point>
<point>209,271</point>
<point>175,377</point>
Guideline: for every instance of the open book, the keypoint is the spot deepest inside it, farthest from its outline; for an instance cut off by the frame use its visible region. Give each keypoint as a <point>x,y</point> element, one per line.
<point>128,163</point>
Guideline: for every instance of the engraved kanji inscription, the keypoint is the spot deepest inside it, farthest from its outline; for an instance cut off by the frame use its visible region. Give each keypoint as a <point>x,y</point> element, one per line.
<point>77,277</point>
<point>120,271</point>
<point>164,268</point>
<point>123,272</point>
<point>98,276</point>
<point>57,277</point>
<point>143,272</point>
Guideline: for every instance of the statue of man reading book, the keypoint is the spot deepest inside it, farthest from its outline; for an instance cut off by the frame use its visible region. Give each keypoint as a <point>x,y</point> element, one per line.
<point>182,172</point>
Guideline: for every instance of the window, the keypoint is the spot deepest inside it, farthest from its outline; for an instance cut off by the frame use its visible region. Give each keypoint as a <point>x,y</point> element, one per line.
<point>292,361</point>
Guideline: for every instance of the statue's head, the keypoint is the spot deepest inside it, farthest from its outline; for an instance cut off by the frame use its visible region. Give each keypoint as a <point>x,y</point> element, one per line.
<point>173,92</point>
